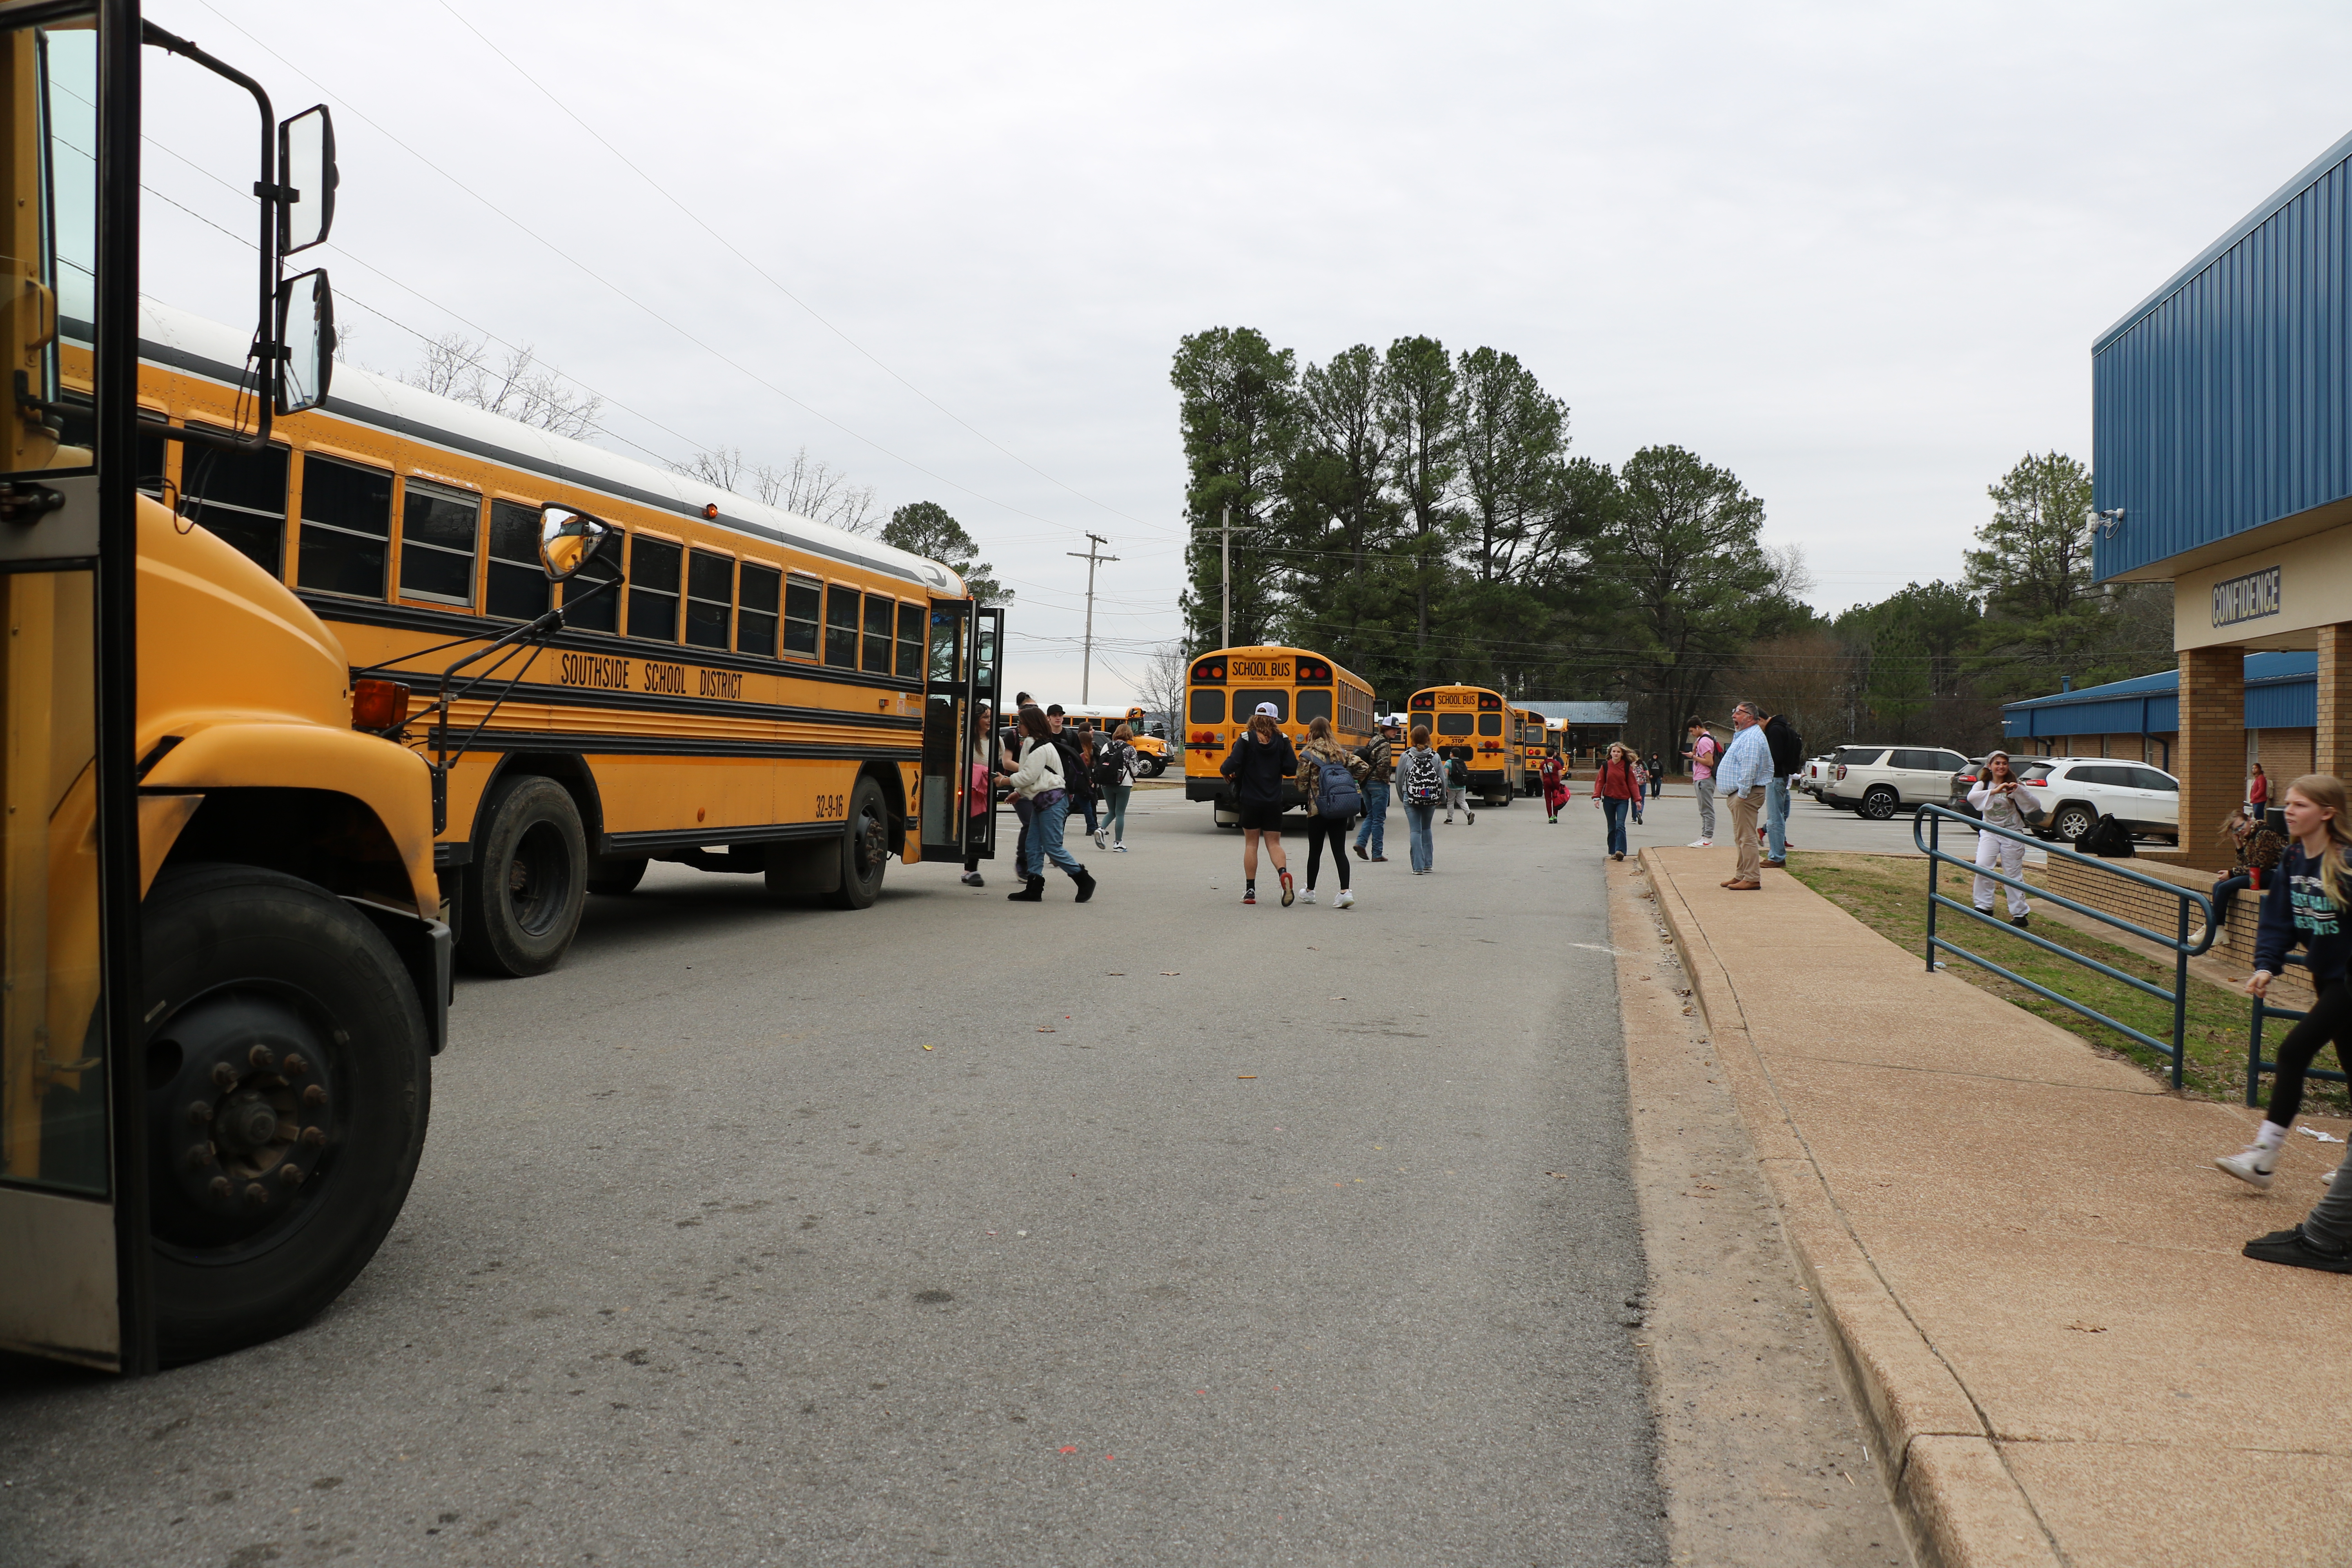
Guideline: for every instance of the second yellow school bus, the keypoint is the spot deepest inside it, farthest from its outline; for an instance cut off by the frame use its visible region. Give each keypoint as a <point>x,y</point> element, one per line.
<point>1224,688</point>
<point>1475,724</point>
<point>1530,727</point>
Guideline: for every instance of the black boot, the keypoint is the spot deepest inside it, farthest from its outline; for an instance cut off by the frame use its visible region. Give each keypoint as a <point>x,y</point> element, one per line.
<point>1086,882</point>
<point>1033,891</point>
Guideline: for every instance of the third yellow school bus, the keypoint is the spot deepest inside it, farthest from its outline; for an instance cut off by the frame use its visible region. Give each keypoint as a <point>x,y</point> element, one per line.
<point>1530,726</point>
<point>1225,687</point>
<point>1474,723</point>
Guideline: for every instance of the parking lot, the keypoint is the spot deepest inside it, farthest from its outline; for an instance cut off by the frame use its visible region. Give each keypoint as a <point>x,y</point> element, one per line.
<point>1673,819</point>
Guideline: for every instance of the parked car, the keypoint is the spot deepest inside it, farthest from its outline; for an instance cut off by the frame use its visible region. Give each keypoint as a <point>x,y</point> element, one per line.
<point>1965,779</point>
<point>1816,774</point>
<point>1879,781</point>
<point>2078,791</point>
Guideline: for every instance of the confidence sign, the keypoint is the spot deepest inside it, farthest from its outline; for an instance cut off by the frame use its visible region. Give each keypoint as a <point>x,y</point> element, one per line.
<point>2246,598</point>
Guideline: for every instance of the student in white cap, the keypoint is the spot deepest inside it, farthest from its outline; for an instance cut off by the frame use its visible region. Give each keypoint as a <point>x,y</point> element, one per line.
<point>1260,763</point>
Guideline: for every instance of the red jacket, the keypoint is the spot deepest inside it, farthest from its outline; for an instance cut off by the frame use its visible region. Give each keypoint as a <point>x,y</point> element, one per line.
<point>1615,782</point>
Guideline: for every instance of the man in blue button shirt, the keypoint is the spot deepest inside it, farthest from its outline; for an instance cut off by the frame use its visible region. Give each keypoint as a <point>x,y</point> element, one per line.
<point>1746,765</point>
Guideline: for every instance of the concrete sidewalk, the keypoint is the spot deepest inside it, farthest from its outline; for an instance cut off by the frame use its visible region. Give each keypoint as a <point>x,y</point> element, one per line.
<point>2025,1257</point>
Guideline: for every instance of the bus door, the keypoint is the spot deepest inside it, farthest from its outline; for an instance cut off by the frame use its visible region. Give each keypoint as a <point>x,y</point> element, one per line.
<point>958,819</point>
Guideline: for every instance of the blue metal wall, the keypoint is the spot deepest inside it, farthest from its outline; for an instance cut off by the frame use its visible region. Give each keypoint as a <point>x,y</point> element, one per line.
<point>2225,400</point>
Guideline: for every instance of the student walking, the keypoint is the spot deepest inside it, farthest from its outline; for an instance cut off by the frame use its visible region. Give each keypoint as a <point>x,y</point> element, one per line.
<point>1040,781</point>
<point>1458,792</point>
<point>1117,767</point>
<point>1329,774</point>
<point>1657,776</point>
<point>2002,800</point>
<point>1381,756</point>
<point>1746,763</point>
<point>1555,786</point>
<point>981,789</point>
<point>1701,754</point>
<point>1077,763</point>
<point>1640,785</point>
<point>2304,906</point>
<point>1421,779</point>
<point>1262,758</point>
<point>1612,791</point>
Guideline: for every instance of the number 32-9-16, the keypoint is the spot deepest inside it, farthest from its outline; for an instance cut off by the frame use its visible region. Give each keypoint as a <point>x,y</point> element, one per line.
<point>832,805</point>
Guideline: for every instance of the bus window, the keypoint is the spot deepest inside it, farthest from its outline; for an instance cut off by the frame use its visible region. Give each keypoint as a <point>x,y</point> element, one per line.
<point>841,626</point>
<point>1313,705</point>
<point>801,597</point>
<point>880,615</point>
<point>755,621</point>
<point>1246,704</point>
<point>1205,706</point>
<point>517,587</point>
<point>346,527</point>
<point>602,613</point>
<point>709,598</point>
<point>910,641</point>
<point>240,496</point>
<point>1453,724</point>
<point>1490,723</point>
<point>653,588</point>
<point>438,527</point>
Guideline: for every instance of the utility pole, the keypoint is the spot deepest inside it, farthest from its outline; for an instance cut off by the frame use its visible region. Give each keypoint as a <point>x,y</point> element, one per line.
<point>1093,559</point>
<point>1225,582</point>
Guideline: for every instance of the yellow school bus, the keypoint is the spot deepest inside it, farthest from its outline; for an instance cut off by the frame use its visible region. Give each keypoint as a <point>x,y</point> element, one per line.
<point>1223,689</point>
<point>1151,749</point>
<point>1475,724</point>
<point>1529,727</point>
<point>730,686</point>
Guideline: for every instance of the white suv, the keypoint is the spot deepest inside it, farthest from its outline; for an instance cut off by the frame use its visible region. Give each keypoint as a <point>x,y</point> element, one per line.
<point>2078,791</point>
<point>1816,775</point>
<point>1879,781</point>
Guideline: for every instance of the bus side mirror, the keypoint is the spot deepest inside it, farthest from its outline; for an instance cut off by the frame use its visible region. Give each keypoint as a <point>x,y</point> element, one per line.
<point>306,179</point>
<point>306,333</point>
<point>569,540</point>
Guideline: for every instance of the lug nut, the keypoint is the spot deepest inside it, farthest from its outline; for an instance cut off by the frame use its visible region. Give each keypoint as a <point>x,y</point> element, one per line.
<point>290,1173</point>
<point>295,1066</point>
<point>199,1155</point>
<point>219,1187</point>
<point>255,1193</point>
<point>200,1112</point>
<point>260,1058</point>
<point>314,1095</point>
<point>224,1075</point>
<point>313,1137</point>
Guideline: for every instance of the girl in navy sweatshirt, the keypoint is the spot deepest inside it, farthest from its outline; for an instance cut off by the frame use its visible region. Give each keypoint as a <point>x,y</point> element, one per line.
<point>2306,905</point>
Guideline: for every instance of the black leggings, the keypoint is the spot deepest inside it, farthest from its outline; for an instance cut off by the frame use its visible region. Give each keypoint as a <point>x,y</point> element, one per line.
<point>1318,828</point>
<point>2330,1019</point>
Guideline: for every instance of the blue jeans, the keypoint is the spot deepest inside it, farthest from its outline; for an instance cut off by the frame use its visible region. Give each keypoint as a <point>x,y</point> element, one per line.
<point>1417,819</point>
<point>1614,810</point>
<point>1375,830</point>
<point>1776,819</point>
<point>1045,839</point>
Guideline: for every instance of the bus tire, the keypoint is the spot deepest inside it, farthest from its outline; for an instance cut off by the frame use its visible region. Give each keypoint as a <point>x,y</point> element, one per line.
<point>247,969</point>
<point>865,848</point>
<point>526,888</point>
<point>616,876</point>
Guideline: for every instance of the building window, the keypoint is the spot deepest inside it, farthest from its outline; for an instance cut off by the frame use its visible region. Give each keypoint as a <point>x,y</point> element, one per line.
<point>755,621</point>
<point>709,598</point>
<point>880,613</point>
<point>438,531</point>
<point>910,641</point>
<point>518,588</point>
<point>346,527</point>
<point>802,598</point>
<point>240,496</point>
<point>841,626</point>
<point>652,589</point>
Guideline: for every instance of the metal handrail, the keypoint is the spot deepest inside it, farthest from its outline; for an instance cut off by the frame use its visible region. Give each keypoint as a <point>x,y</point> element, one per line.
<point>2183,947</point>
<point>2256,1065</point>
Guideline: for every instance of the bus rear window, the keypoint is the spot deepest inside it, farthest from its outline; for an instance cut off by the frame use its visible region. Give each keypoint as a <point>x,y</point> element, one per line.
<point>1246,704</point>
<point>1453,723</point>
<point>1490,723</point>
<point>802,597</point>
<point>755,620</point>
<point>1206,705</point>
<point>841,626</point>
<point>1313,705</point>
<point>652,589</point>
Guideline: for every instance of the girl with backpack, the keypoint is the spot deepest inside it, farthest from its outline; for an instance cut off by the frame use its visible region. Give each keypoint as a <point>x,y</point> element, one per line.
<point>1039,780</point>
<point>1261,760</point>
<point>1116,772</point>
<point>1421,778</point>
<point>1329,774</point>
<point>1555,786</point>
<point>1612,791</point>
<point>1458,792</point>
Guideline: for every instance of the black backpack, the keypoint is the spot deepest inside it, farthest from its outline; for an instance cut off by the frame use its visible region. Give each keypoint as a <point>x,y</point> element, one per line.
<point>2106,838</point>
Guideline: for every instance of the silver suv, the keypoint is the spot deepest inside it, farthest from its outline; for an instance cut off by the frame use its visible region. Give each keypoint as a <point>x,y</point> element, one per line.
<point>1879,781</point>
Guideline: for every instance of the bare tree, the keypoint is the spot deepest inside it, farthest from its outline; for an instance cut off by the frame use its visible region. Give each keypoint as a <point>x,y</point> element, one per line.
<point>1162,686</point>
<point>516,386</point>
<point>809,486</point>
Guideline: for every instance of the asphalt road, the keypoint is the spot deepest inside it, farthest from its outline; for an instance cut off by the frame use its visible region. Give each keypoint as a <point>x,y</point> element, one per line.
<point>1200,1234</point>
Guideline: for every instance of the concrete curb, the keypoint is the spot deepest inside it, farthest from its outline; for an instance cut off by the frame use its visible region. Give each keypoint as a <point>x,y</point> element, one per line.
<point>1946,1476</point>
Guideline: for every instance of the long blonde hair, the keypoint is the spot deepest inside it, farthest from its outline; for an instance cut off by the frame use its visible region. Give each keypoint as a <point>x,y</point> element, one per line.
<point>2326,792</point>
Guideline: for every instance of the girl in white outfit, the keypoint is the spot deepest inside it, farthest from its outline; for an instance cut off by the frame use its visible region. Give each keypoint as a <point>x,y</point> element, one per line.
<point>2002,798</point>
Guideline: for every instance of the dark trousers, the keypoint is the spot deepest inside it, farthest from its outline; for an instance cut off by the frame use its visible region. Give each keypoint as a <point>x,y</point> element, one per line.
<point>1319,830</point>
<point>1614,810</point>
<point>2330,1019</point>
<point>2225,893</point>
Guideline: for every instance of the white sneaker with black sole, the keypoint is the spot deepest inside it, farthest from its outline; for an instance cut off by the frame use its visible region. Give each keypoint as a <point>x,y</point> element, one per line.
<point>2253,1166</point>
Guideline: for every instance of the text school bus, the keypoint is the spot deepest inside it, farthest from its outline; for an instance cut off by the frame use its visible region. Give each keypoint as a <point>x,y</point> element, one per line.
<point>731,687</point>
<point>1223,689</point>
<point>1475,724</point>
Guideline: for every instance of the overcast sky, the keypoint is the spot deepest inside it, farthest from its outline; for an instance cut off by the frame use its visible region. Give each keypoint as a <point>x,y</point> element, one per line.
<point>1857,254</point>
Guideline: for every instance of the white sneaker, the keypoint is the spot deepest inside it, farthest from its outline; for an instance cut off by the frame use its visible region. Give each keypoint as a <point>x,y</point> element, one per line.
<point>2252,1166</point>
<point>1307,896</point>
<point>1102,837</point>
<point>1119,848</point>
<point>1346,897</point>
<point>1700,844</point>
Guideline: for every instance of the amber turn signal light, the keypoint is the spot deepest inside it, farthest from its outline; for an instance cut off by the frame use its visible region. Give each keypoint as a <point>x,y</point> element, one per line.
<point>379,704</point>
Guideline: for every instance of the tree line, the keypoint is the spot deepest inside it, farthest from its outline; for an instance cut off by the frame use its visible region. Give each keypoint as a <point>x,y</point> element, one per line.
<point>1419,516</point>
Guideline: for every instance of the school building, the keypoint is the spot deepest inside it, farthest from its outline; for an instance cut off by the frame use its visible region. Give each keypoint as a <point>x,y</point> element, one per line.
<point>2222,453</point>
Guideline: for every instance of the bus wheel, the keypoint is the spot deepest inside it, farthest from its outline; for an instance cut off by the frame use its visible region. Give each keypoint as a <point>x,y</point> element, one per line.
<point>524,891</point>
<point>865,848</point>
<point>614,876</point>
<point>288,1078</point>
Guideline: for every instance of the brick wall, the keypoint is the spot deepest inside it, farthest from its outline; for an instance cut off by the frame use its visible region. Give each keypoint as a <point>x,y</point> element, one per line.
<point>2210,750</point>
<point>2285,755</point>
<point>2332,743</point>
<point>2158,912</point>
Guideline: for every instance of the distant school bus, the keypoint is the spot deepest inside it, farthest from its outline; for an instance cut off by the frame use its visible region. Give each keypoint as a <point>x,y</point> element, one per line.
<point>1475,724</point>
<point>1530,726</point>
<point>1224,688</point>
<point>1151,749</point>
<point>731,687</point>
